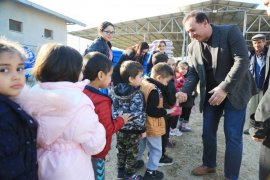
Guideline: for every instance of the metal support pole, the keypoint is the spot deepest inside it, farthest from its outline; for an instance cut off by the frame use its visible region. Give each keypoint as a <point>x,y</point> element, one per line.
<point>184,43</point>
<point>245,24</point>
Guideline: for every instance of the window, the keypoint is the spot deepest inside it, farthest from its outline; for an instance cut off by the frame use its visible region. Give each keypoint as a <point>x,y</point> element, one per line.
<point>48,33</point>
<point>15,25</point>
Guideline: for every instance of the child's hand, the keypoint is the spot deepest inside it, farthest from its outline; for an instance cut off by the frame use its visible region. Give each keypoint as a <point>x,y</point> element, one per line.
<point>257,139</point>
<point>143,135</point>
<point>126,117</point>
<point>182,97</point>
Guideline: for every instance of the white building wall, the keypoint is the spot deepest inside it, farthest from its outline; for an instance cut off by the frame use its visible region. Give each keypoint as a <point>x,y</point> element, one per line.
<point>33,24</point>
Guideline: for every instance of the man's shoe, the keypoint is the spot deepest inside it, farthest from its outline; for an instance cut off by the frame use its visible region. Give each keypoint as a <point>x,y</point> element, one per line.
<point>153,175</point>
<point>202,170</point>
<point>165,161</point>
<point>139,164</point>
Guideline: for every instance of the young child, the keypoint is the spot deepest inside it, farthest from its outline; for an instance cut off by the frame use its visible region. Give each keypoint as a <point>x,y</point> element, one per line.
<point>18,131</point>
<point>169,100</point>
<point>161,74</point>
<point>98,69</point>
<point>181,74</point>
<point>173,117</point>
<point>69,131</point>
<point>181,70</point>
<point>127,98</point>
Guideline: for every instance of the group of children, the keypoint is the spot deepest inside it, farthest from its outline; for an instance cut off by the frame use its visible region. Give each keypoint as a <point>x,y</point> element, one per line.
<point>62,127</point>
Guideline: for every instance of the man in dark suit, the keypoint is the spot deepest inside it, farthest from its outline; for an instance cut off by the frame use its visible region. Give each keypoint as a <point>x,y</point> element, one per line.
<point>219,57</point>
<point>261,122</point>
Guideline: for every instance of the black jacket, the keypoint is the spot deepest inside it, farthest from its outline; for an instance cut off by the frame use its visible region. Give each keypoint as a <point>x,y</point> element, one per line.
<point>18,152</point>
<point>99,45</point>
<point>128,54</point>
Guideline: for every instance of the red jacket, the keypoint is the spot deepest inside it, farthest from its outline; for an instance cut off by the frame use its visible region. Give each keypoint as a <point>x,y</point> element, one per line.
<point>179,81</point>
<point>103,108</point>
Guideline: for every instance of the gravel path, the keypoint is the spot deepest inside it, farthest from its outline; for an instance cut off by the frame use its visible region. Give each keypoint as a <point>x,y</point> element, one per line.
<point>188,153</point>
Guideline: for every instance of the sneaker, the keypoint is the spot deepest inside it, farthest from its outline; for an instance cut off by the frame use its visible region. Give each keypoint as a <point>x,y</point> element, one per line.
<point>153,175</point>
<point>185,128</point>
<point>171,143</point>
<point>175,132</point>
<point>165,161</point>
<point>139,164</point>
<point>121,173</point>
<point>134,177</point>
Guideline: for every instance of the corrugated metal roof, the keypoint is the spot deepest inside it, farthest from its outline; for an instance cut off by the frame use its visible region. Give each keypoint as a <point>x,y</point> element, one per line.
<point>169,26</point>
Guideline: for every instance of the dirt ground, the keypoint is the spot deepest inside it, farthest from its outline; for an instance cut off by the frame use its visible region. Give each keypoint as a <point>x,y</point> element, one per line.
<point>188,154</point>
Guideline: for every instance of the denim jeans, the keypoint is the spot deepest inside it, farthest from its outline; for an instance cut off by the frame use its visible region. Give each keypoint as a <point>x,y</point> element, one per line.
<point>155,151</point>
<point>234,120</point>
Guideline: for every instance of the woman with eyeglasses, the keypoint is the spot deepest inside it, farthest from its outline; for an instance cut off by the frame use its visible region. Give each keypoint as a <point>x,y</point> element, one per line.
<point>161,47</point>
<point>135,53</point>
<point>102,44</point>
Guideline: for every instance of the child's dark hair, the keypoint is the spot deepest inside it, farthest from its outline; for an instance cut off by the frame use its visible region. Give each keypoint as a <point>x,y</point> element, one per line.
<point>11,47</point>
<point>159,57</point>
<point>162,69</point>
<point>56,62</point>
<point>93,63</point>
<point>130,69</point>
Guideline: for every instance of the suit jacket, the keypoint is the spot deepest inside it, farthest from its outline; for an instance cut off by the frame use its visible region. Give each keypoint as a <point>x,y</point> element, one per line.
<point>230,64</point>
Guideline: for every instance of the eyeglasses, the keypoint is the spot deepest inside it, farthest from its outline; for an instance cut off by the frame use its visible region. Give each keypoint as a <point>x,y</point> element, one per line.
<point>109,32</point>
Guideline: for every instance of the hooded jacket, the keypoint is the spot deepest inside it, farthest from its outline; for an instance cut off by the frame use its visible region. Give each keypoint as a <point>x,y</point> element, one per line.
<point>69,131</point>
<point>103,108</point>
<point>129,99</point>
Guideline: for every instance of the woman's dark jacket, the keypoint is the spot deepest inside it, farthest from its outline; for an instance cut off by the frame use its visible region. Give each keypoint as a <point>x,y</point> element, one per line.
<point>128,54</point>
<point>99,45</point>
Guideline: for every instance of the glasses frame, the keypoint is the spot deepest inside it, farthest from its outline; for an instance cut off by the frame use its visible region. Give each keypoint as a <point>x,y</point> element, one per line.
<point>109,32</point>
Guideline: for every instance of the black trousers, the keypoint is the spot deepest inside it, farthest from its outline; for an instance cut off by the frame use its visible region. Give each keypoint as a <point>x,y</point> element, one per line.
<point>186,113</point>
<point>174,121</point>
<point>165,137</point>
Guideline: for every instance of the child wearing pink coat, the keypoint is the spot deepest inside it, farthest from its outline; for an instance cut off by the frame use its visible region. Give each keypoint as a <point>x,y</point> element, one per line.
<point>69,131</point>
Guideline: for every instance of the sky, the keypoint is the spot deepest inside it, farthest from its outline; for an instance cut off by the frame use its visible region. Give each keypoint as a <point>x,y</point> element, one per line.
<point>93,12</point>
